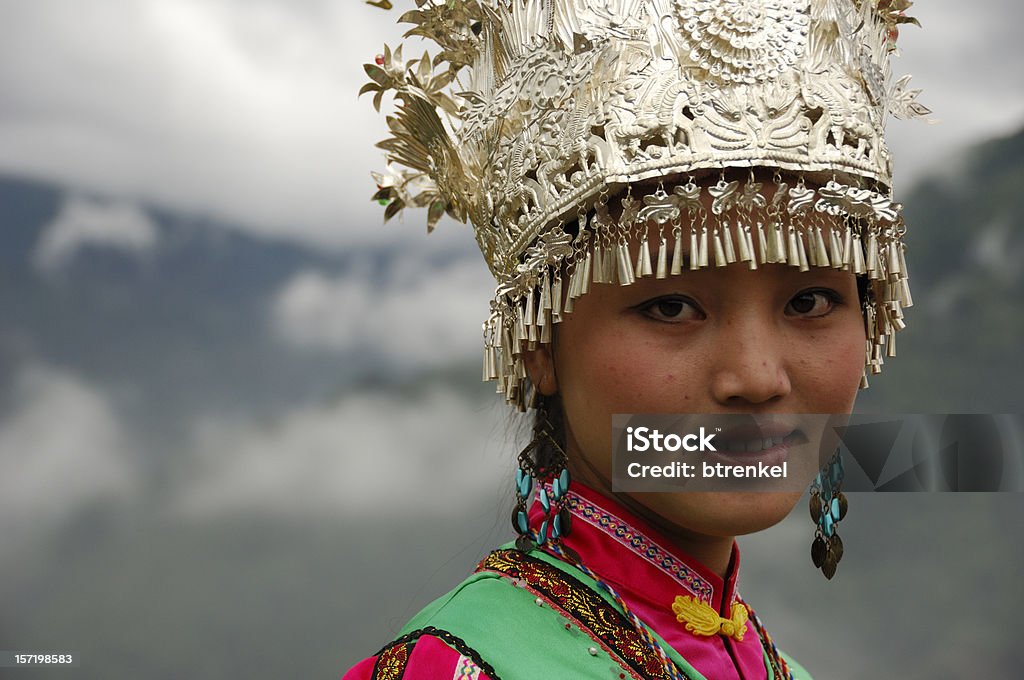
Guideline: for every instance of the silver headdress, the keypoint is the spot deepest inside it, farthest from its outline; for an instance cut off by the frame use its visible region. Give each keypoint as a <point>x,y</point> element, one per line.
<point>532,114</point>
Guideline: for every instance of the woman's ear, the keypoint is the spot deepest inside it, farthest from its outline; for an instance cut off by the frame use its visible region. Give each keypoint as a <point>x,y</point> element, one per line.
<point>540,366</point>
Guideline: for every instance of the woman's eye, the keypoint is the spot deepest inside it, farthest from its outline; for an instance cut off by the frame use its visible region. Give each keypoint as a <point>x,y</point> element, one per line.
<point>672,309</point>
<point>813,303</point>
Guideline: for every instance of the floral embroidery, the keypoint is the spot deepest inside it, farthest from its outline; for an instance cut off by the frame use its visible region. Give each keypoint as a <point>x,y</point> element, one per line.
<point>391,662</point>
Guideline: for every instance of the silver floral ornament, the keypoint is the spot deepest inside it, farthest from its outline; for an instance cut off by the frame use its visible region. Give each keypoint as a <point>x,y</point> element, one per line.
<point>743,41</point>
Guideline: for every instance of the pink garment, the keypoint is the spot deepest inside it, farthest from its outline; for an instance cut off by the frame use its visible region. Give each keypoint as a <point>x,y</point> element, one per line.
<point>647,571</point>
<point>431,659</point>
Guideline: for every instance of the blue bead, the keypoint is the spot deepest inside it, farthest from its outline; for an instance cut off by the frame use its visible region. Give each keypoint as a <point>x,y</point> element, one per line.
<point>544,502</point>
<point>836,473</point>
<point>827,525</point>
<point>524,527</point>
<point>556,527</point>
<point>519,476</point>
<point>526,487</point>
<point>835,509</point>
<point>543,533</point>
<point>556,489</point>
<point>564,480</point>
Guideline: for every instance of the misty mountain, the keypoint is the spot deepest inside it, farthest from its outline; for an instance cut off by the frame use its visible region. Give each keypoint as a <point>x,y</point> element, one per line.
<point>181,328</point>
<point>965,245</point>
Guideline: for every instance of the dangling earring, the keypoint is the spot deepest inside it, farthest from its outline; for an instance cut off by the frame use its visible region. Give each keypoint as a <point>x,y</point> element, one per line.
<point>828,507</point>
<point>554,472</point>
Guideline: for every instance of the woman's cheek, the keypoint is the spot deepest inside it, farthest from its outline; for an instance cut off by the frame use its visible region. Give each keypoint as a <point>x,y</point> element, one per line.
<point>833,364</point>
<point>628,375</point>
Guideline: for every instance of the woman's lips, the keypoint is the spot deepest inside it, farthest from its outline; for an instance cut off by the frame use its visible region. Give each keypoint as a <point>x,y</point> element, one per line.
<point>746,446</point>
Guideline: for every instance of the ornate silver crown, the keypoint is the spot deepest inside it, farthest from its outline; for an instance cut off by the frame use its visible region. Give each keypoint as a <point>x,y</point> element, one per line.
<point>533,114</point>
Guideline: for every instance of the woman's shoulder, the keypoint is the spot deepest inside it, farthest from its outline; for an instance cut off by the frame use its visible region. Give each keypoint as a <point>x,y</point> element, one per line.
<point>441,642</point>
<point>503,617</point>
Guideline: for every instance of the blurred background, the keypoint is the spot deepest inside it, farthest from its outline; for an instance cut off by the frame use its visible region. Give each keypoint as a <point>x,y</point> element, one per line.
<point>241,428</point>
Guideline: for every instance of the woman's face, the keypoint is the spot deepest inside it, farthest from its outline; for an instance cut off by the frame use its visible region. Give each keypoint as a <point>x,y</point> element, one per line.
<point>718,340</point>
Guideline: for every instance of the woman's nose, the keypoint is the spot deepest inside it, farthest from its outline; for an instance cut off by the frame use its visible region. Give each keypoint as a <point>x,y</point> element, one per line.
<point>749,363</point>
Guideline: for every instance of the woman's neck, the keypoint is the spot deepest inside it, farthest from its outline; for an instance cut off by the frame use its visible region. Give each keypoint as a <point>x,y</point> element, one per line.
<point>714,552</point>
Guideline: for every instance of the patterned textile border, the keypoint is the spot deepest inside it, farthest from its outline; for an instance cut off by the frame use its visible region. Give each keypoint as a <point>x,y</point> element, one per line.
<point>392,660</point>
<point>628,536</point>
<point>466,669</point>
<point>589,609</point>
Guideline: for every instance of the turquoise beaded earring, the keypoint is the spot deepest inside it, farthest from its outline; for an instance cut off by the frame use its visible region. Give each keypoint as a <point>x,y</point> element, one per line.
<point>530,475</point>
<point>828,506</point>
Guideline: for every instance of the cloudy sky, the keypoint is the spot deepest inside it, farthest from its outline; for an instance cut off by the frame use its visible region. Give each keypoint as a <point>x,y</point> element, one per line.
<point>247,109</point>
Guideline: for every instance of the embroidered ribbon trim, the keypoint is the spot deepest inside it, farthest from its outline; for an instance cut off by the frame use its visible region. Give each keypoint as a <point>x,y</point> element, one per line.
<point>702,619</point>
<point>588,610</point>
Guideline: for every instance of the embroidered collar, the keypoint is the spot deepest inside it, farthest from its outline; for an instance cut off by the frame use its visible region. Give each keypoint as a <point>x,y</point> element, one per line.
<point>602,527</point>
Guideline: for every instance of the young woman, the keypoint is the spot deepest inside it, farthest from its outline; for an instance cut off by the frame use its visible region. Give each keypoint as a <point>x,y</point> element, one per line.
<point>685,204</point>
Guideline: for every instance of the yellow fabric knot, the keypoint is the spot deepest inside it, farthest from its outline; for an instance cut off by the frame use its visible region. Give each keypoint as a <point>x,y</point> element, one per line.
<point>701,619</point>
